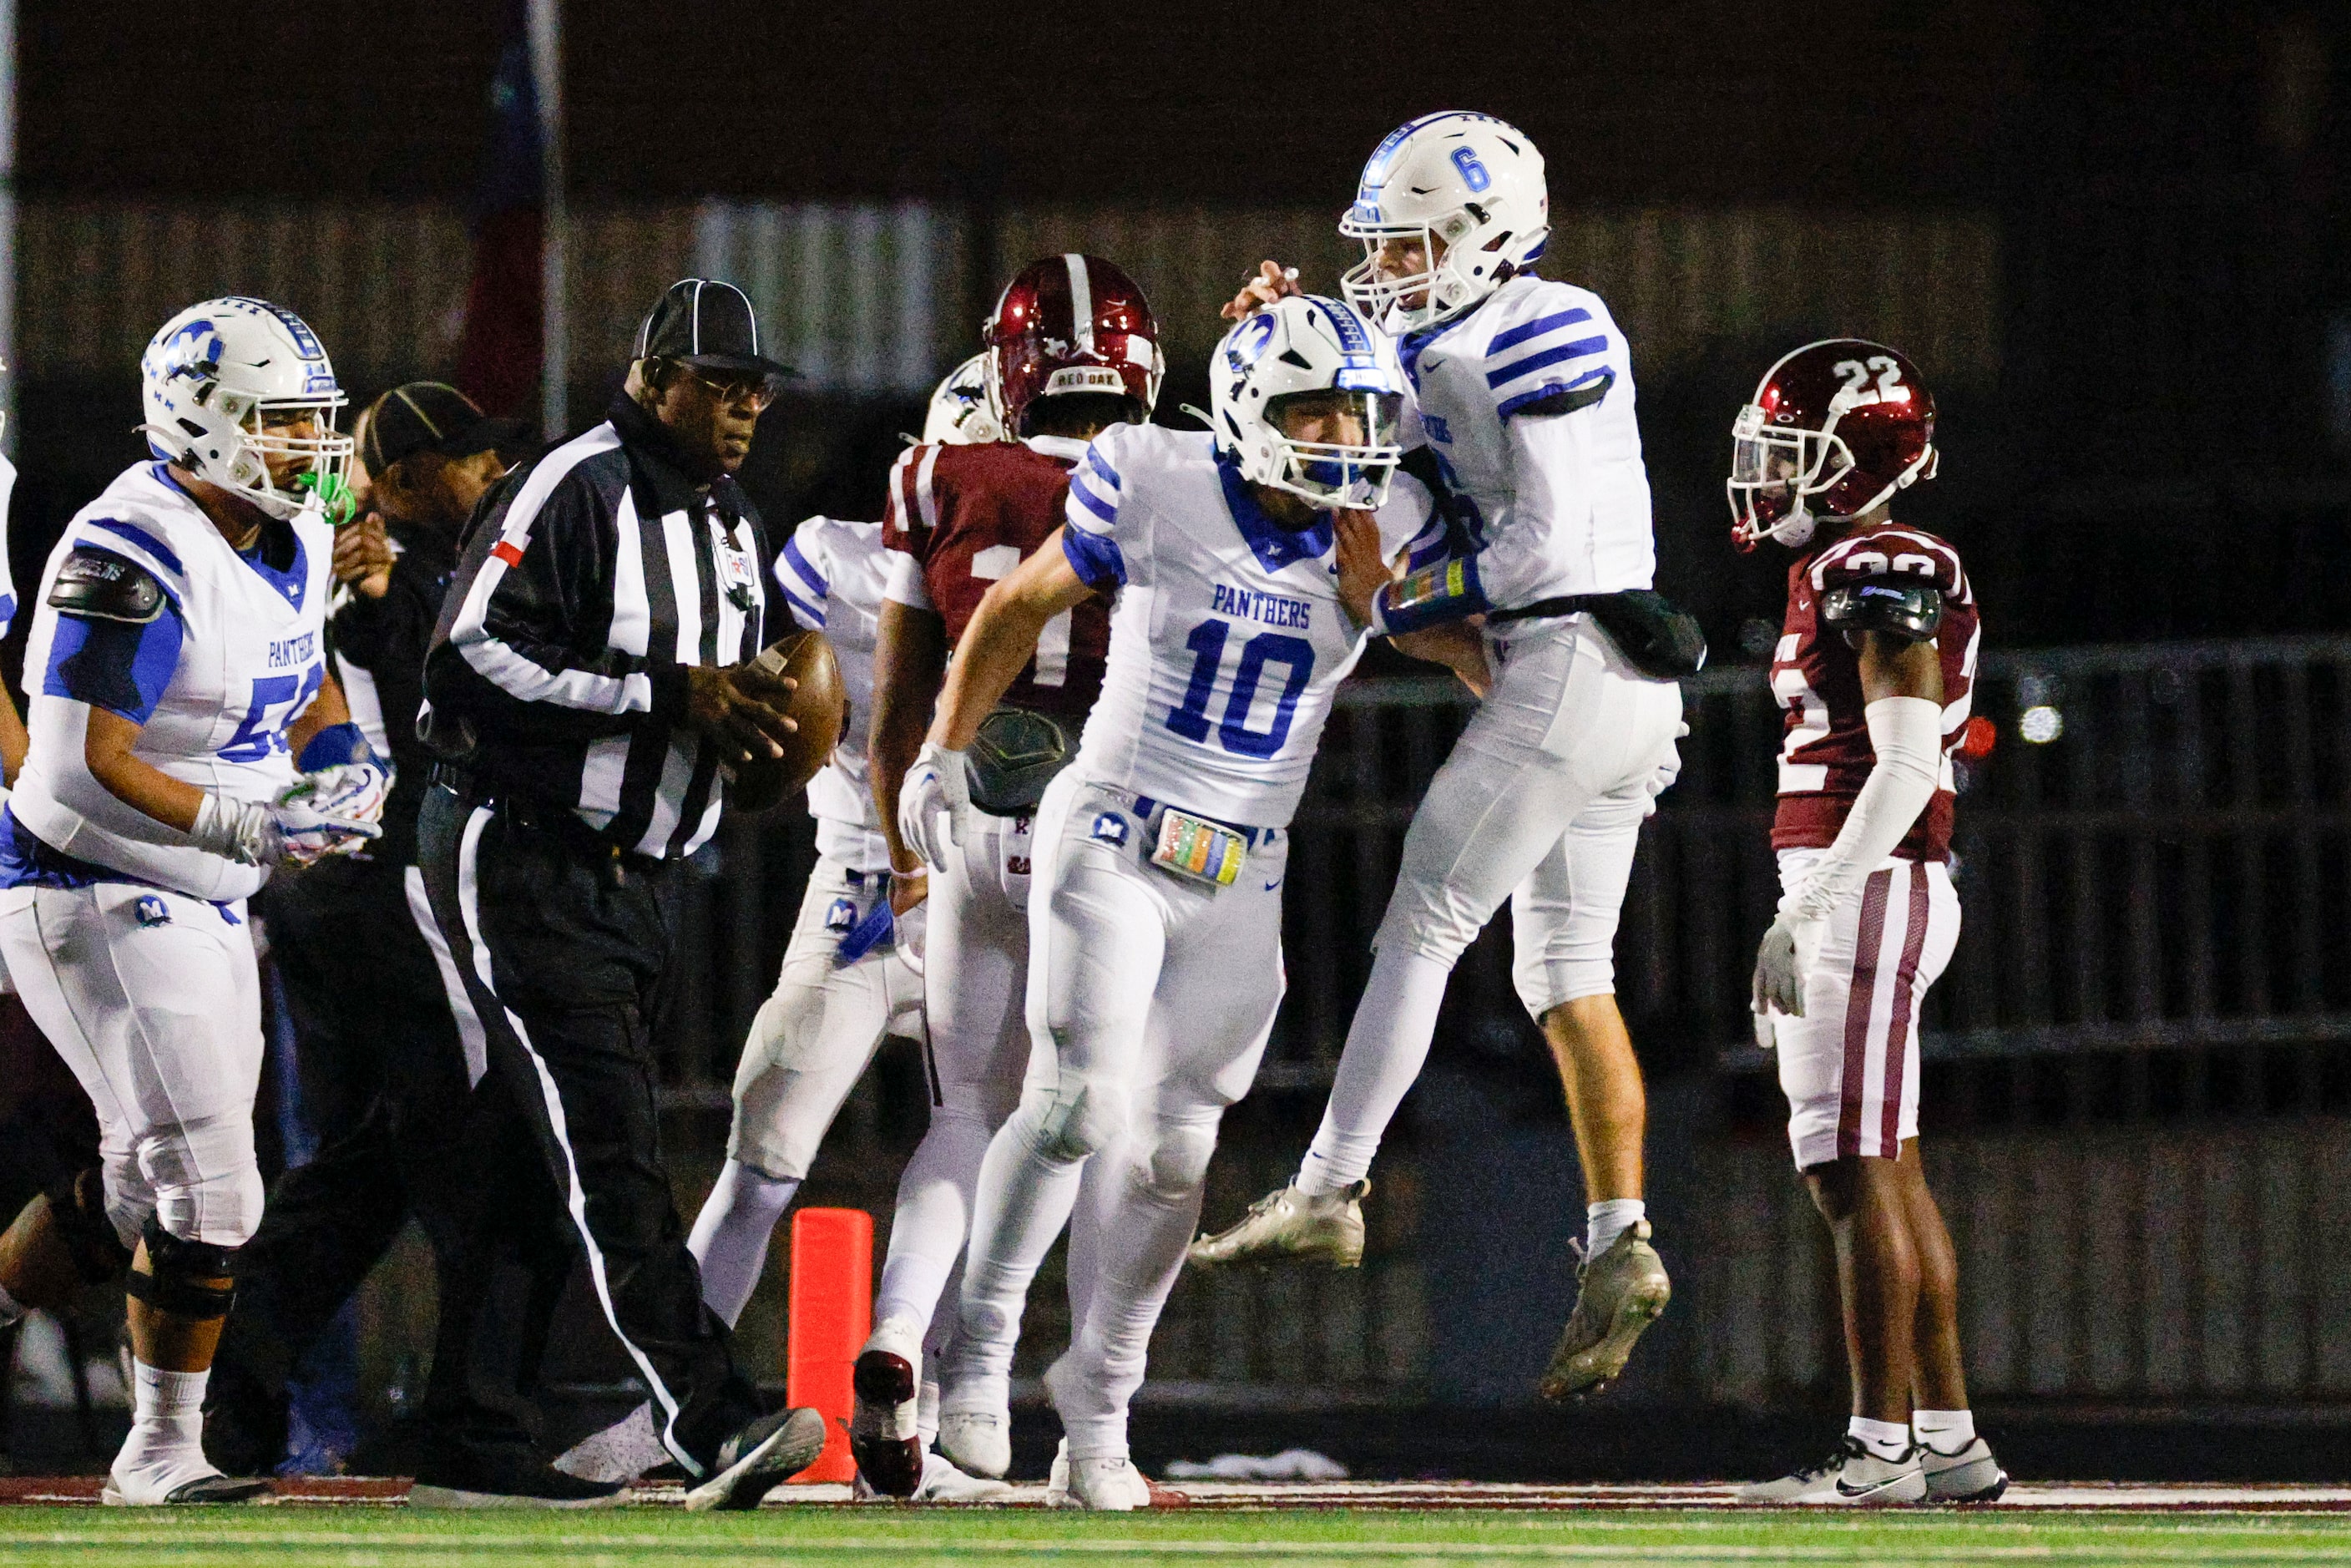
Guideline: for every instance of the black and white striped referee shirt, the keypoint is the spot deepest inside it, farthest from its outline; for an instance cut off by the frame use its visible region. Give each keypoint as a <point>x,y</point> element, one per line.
<point>592,581</point>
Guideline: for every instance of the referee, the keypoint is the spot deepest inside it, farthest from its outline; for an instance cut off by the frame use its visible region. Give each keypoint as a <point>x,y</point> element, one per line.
<point>587,682</point>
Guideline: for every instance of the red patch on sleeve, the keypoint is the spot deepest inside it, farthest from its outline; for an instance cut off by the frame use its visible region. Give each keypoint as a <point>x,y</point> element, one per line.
<point>507,553</point>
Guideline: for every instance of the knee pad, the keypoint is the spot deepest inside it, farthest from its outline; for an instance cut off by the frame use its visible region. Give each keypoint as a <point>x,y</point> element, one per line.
<point>1078,1120</point>
<point>206,1181</point>
<point>78,1210</point>
<point>183,1275</point>
<point>1178,1162</point>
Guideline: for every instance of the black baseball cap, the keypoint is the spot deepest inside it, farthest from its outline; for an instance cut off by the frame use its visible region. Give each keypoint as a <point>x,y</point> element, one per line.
<point>710,325</point>
<point>419,416</point>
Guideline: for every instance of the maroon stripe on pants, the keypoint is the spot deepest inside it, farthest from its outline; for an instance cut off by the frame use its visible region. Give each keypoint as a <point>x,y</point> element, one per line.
<point>1897,1025</point>
<point>1859,999</point>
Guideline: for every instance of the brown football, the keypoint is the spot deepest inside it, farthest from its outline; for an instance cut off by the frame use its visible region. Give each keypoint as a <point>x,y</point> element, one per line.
<point>818,706</point>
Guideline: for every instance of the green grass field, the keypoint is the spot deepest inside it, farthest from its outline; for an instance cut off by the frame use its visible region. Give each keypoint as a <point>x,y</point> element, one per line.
<point>389,1538</point>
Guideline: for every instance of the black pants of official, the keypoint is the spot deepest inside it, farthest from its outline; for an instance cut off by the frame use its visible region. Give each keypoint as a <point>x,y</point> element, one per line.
<point>403,1133</point>
<point>569,979</point>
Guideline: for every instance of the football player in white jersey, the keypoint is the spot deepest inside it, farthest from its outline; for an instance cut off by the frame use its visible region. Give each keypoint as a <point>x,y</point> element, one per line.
<point>1155,908</point>
<point>1524,390</point>
<point>187,737</point>
<point>852,972</point>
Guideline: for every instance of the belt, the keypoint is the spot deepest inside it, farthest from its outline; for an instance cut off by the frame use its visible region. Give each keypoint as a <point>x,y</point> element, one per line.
<point>1146,807</point>
<point>538,814</point>
<point>1566,604</point>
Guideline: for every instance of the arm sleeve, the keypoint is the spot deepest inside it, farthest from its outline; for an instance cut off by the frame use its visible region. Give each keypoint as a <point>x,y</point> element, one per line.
<point>1907,733</point>
<point>1089,540</point>
<point>114,664</point>
<point>395,630</point>
<point>530,600</point>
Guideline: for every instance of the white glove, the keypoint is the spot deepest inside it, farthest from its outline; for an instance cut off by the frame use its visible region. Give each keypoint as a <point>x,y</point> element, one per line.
<point>1668,771</point>
<point>1791,952</point>
<point>935,787</point>
<point>289,829</point>
<point>354,790</point>
<point>910,928</point>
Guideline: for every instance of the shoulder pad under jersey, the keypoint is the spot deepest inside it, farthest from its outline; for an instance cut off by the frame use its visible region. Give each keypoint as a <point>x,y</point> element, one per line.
<point>1899,607</point>
<point>101,585</point>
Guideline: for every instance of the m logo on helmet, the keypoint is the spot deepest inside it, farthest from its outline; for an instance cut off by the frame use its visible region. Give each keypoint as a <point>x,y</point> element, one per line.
<point>194,351</point>
<point>1249,341</point>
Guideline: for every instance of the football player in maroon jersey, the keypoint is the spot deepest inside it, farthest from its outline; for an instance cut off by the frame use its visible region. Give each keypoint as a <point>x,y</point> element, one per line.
<point>1071,349</point>
<point>1873,667</point>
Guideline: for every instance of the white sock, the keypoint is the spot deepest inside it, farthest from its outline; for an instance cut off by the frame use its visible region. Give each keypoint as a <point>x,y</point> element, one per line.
<point>1387,1044</point>
<point>1945,1431</point>
<point>1609,1218</point>
<point>1023,1200</point>
<point>166,1446</point>
<point>730,1235</point>
<point>933,1216</point>
<point>1887,1440</point>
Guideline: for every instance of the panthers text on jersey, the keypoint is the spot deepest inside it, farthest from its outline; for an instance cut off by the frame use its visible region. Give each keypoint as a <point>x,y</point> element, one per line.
<point>1527,403</point>
<point>1227,639</point>
<point>232,655</point>
<point>965,516</point>
<point>1825,757</point>
<point>831,573</point>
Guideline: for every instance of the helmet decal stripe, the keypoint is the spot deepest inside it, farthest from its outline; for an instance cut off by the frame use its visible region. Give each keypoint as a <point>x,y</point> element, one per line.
<point>1082,301</point>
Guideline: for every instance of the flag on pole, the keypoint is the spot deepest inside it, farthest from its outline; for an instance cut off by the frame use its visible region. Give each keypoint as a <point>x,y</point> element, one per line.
<point>499,353</point>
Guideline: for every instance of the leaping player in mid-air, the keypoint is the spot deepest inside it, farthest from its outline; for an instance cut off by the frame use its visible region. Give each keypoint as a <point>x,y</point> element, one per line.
<point>1874,667</point>
<point>1524,388</point>
<point>187,737</point>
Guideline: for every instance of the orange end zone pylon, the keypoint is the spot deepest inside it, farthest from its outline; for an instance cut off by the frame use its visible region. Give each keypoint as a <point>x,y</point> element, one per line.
<point>832,1314</point>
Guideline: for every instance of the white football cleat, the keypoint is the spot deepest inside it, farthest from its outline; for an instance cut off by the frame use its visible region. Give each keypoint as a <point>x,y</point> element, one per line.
<point>1105,1486</point>
<point>980,1441</point>
<point>1852,1477</point>
<point>178,1482</point>
<point>1968,1475</point>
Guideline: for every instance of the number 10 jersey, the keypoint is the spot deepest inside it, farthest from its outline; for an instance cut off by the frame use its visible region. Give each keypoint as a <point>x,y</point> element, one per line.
<point>1227,640</point>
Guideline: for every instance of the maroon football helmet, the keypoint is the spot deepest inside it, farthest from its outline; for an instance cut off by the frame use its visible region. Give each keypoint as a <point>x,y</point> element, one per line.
<point>1835,427</point>
<point>1070,324</point>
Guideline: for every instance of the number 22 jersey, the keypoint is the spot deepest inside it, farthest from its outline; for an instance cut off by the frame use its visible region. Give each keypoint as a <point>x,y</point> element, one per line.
<point>215,660</point>
<point>1227,641</point>
<point>1825,757</point>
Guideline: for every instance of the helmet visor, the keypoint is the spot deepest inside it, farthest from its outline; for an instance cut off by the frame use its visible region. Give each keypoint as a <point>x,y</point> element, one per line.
<point>1338,448</point>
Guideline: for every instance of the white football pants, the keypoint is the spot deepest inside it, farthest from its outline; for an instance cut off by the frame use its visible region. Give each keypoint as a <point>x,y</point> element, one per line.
<point>1551,776</point>
<point>813,1036</point>
<point>1850,1065</point>
<point>975,970</point>
<point>153,998</point>
<point>1150,997</point>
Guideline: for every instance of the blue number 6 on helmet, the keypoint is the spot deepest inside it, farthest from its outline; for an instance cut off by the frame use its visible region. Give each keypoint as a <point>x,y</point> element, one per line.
<point>1465,159</point>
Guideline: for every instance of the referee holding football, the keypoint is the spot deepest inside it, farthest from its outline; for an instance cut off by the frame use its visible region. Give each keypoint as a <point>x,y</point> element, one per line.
<point>589,688</point>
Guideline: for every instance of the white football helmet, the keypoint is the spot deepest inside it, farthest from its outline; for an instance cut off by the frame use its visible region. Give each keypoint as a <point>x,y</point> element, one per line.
<point>219,385</point>
<point>1303,346</point>
<point>961,413</point>
<point>1467,180</point>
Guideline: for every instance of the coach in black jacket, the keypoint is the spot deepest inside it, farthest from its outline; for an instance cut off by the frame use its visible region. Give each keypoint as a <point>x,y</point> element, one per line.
<point>587,685</point>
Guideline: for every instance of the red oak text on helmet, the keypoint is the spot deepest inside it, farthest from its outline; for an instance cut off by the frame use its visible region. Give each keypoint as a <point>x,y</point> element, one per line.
<point>1070,323</point>
<point>1835,427</point>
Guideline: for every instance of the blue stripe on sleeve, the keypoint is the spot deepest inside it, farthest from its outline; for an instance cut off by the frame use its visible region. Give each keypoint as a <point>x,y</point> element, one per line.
<point>1517,335</point>
<point>1095,558</point>
<point>1537,362</point>
<point>1082,495</point>
<point>1510,405</point>
<point>143,540</point>
<point>1101,466</point>
<point>8,611</point>
<point>114,664</point>
<point>810,615</point>
<point>809,575</point>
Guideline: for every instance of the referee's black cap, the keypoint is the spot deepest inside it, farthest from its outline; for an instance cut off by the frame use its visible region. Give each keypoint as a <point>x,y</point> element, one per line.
<point>709,324</point>
<point>421,415</point>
